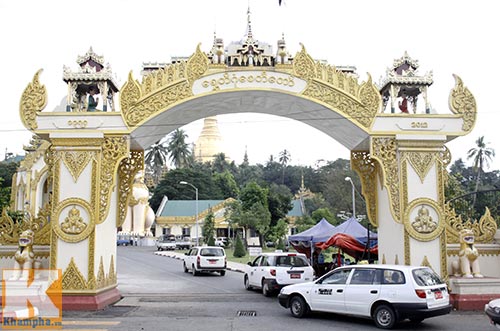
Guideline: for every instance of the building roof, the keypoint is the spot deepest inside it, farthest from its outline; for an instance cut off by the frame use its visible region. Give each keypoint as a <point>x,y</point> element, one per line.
<point>175,208</point>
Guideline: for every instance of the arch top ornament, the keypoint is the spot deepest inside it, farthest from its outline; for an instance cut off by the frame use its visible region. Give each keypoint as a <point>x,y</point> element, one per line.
<point>336,89</point>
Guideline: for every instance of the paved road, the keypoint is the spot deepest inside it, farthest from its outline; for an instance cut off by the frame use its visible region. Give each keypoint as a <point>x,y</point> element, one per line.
<point>158,295</point>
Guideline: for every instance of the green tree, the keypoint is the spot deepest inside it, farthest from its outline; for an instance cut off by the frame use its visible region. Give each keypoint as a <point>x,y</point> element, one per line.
<point>279,200</point>
<point>284,159</point>
<point>208,229</point>
<point>239,248</point>
<point>278,231</point>
<point>155,160</point>
<point>180,153</point>
<point>169,186</point>
<point>481,155</point>
<point>4,195</point>
<point>226,184</point>
<point>304,223</point>
<point>325,213</point>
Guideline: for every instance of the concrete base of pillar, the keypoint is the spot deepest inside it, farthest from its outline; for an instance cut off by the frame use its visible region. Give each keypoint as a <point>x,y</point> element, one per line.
<point>91,302</point>
<point>473,293</point>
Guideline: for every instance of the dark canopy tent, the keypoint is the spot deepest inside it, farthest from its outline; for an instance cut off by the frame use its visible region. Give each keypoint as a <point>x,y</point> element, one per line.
<point>319,233</point>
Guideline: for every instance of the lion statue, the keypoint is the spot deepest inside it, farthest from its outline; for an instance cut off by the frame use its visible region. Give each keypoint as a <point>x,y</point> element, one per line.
<point>24,259</point>
<point>467,264</point>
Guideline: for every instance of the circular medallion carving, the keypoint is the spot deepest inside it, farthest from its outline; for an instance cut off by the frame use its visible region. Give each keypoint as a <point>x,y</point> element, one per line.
<point>73,220</point>
<point>424,219</point>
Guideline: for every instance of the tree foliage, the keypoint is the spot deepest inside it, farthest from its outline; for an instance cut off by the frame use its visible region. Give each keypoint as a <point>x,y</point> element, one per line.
<point>208,229</point>
<point>239,248</point>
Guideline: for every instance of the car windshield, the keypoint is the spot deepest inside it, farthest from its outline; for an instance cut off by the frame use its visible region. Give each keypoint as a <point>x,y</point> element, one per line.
<point>211,252</point>
<point>291,261</point>
<point>426,277</point>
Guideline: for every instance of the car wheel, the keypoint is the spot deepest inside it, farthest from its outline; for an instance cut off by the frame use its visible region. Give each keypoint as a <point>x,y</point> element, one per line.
<point>384,317</point>
<point>160,249</point>
<point>223,272</point>
<point>193,270</point>
<point>265,288</point>
<point>298,306</point>
<point>246,281</point>
<point>185,268</point>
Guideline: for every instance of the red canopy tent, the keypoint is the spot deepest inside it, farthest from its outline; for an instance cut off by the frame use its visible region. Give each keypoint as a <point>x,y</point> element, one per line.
<point>348,244</point>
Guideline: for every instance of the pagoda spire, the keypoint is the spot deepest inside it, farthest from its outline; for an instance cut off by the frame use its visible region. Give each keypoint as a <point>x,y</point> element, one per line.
<point>249,25</point>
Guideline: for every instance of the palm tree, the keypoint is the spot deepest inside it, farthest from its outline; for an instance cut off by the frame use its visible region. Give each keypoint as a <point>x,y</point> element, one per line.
<point>156,160</point>
<point>284,158</point>
<point>180,153</point>
<point>482,156</point>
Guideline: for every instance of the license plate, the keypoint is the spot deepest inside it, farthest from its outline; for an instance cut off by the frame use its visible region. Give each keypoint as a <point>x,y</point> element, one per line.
<point>212,261</point>
<point>438,295</point>
<point>295,276</point>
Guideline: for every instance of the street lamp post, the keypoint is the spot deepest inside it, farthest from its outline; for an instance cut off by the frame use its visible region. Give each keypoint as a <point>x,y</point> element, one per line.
<point>348,179</point>
<point>196,221</point>
<point>367,250</point>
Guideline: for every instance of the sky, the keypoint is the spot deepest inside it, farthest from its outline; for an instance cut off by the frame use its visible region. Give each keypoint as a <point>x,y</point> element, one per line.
<point>446,37</point>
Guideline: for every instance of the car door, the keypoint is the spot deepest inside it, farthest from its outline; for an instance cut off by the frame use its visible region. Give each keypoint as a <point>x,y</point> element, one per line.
<point>363,289</point>
<point>328,293</point>
<point>190,257</point>
<point>253,272</point>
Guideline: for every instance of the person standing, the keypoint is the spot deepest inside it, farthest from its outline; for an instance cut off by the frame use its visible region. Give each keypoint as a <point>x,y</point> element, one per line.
<point>92,103</point>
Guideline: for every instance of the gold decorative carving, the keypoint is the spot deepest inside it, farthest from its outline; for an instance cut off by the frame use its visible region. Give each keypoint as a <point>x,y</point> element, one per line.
<point>91,283</point>
<point>406,244</point>
<point>345,104</point>
<point>114,149</point>
<point>484,229</point>
<point>384,150</point>
<point>77,142</point>
<point>424,227</point>
<point>157,101</point>
<point>371,100</point>
<point>73,279</point>
<point>163,76</point>
<point>101,277</point>
<point>126,172</point>
<point>443,259</point>
<point>73,224</point>
<point>462,102</point>
<point>33,100</point>
<point>366,168</point>
<point>10,230</point>
<point>130,94</point>
<point>303,65</point>
<point>197,65</point>
<point>76,161</point>
<point>425,262</point>
<point>421,162</point>
<point>59,228</point>
<point>423,222</point>
<point>112,274</point>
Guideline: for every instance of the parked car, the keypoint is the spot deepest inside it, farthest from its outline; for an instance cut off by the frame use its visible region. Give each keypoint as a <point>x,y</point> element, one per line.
<point>385,293</point>
<point>205,259</point>
<point>271,271</point>
<point>123,240</point>
<point>221,241</point>
<point>166,243</point>
<point>492,310</point>
<point>183,242</point>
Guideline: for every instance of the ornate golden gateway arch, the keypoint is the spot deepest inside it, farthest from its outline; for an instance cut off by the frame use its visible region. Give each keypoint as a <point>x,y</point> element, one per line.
<point>94,156</point>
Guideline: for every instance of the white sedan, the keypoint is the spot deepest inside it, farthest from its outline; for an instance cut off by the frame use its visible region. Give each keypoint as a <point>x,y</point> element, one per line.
<point>385,293</point>
<point>271,271</point>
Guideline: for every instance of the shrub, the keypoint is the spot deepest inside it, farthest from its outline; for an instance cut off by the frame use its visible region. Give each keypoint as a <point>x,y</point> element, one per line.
<point>239,249</point>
